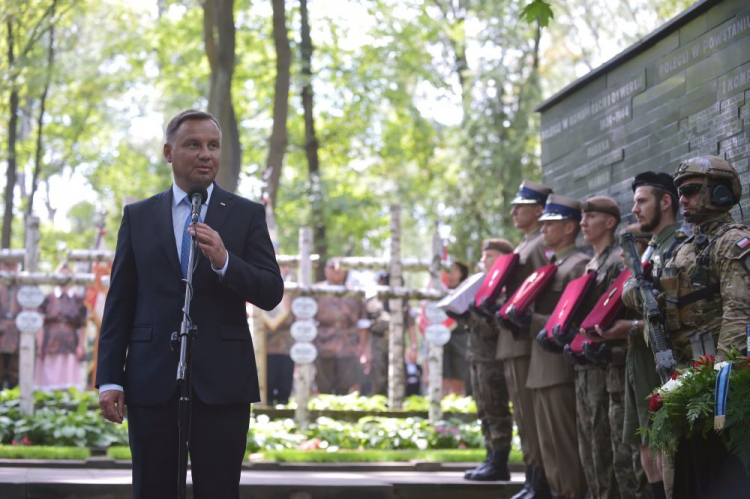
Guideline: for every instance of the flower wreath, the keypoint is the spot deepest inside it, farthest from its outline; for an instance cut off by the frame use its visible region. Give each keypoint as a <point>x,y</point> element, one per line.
<point>687,406</point>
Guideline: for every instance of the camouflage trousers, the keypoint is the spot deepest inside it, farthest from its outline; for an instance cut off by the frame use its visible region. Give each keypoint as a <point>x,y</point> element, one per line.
<point>594,433</point>
<point>631,479</point>
<point>493,409</point>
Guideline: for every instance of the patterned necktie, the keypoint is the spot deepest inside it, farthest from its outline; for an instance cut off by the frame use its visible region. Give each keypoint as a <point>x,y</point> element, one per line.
<point>185,250</point>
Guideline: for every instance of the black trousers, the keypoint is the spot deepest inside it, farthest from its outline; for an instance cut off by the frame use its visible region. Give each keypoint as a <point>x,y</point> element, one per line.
<point>704,469</point>
<point>218,438</point>
<point>279,378</point>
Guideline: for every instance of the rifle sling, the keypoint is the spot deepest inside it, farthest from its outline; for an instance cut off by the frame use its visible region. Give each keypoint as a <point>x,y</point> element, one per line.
<point>695,296</point>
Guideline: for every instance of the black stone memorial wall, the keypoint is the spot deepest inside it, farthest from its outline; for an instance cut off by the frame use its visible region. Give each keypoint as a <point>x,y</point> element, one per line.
<point>682,91</point>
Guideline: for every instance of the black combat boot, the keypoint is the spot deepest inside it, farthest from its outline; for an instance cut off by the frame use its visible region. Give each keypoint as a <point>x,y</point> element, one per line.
<point>539,486</point>
<point>469,473</point>
<point>496,468</point>
<point>526,490</point>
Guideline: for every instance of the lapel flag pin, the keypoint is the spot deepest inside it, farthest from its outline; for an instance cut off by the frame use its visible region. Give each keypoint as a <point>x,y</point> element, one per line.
<point>222,204</point>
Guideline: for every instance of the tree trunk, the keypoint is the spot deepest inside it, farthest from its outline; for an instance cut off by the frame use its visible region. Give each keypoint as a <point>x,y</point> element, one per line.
<point>219,40</point>
<point>40,120</point>
<point>527,98</point>
<point>12,130</point>
<point>311,144</point>
<point>279,136</point>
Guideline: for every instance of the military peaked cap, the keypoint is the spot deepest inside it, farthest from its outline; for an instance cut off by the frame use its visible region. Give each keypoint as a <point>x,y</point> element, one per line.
<point>531,193</point>
<point>561,208</point>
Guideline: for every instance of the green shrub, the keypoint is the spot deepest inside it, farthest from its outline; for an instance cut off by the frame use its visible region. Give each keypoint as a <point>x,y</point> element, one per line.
<point>368,433</point>
<point>378,403</point>
<point>61,419</point>
<point>66,419</point>
<point>63,427</point>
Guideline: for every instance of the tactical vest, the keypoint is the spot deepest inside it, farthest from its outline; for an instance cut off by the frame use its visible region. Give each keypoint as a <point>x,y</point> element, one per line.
<point>692,297</point>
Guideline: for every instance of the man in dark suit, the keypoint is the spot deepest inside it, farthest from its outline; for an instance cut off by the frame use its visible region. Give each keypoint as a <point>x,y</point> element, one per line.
<point>144,306</point>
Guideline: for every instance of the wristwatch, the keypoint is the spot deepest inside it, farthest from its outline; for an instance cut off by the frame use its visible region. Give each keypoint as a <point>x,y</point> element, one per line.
<point>634,329</point>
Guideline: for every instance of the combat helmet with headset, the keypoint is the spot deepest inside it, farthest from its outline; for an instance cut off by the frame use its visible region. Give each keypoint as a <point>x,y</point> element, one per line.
<point>719,178</point>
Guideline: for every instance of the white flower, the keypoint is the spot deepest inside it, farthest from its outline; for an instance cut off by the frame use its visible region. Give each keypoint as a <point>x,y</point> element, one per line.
<point>719,365</point>
<point>670,386</point>
<point>686,375</point>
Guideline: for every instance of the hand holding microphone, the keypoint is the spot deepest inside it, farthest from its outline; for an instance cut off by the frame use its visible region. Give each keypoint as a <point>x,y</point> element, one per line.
<point>198,196</point>
<point>209,241</point>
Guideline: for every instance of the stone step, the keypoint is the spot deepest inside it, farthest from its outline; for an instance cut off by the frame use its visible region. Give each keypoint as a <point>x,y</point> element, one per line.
<point>72,483</point>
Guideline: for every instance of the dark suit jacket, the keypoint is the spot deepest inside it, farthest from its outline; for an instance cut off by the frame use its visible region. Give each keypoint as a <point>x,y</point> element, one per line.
<point>146,296</point>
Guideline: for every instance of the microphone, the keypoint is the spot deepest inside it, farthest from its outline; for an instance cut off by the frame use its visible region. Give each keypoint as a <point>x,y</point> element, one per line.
<point>198,196</point>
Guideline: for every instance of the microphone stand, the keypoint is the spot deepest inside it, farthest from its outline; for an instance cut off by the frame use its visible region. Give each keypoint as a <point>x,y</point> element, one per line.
<point>184,340</point>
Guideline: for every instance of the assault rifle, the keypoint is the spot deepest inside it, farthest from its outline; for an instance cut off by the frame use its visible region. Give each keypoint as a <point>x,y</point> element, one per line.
<point>657,330</point>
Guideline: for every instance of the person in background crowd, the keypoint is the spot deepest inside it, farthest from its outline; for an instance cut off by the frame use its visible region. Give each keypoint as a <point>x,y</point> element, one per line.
<point>655,207</point>
<point>341,339</point>
<point>413,379</point>
<point>488,382</point>
<point>9,335</point>
<point>455,365</point>
<point>379,315</point>
<point>279,365</point>
<point>61,341</point>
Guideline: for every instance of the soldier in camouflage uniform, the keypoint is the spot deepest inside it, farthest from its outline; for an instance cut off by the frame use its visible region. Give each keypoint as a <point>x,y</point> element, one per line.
<point>515,351</point>
<point>608,463</point>
<point>655,208</point>
<point>706,283</point>
<point>488,383</point>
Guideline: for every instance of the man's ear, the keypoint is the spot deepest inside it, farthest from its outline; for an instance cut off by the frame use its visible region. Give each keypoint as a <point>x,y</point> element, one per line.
<point>538,210</point>
<point>666,203</point>
<point>167,151</point>
<point>571,227</point>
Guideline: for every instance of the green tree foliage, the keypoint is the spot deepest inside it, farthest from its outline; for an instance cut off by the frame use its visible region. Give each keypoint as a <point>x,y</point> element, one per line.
<point>425,103</point>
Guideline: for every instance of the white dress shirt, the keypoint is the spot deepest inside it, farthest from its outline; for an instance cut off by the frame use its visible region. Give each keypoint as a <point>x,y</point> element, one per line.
<point>180,212</point>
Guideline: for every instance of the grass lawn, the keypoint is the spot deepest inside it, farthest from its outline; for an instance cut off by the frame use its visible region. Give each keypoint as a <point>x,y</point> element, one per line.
<point>380,456</point>
<point>42,452</point>
<point>357,456</point>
